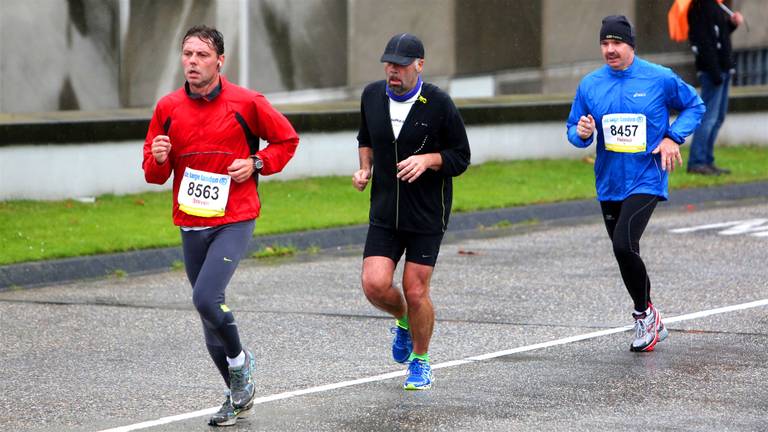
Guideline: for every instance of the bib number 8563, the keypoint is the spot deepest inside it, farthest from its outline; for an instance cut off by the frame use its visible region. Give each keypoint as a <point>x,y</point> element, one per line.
<point>198,190</point>
<point>203,194</point>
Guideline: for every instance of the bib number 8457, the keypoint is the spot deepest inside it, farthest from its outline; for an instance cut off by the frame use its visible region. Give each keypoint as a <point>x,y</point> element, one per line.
<point>624,131</point>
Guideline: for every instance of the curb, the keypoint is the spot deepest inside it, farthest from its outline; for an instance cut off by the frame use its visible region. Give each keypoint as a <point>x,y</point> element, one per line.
<point>26,275</point>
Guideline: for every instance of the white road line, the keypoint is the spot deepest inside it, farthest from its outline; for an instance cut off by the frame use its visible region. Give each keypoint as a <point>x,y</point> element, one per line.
<point>723,309</point>
<point>453,363</point>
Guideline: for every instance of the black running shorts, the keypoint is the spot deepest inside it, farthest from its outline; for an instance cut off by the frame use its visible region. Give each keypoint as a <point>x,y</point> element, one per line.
<point>390,243</point>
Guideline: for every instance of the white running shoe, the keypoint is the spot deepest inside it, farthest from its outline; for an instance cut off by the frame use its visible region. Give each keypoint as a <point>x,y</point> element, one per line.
<point>661,329</point>
<point>646,331</point>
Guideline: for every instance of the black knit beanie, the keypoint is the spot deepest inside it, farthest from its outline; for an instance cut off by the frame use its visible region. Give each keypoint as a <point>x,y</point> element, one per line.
<point>617,27</point>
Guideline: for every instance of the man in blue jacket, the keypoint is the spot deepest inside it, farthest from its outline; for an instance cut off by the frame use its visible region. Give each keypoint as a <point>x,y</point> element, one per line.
<point>624,107</point>
<point>411,143</point>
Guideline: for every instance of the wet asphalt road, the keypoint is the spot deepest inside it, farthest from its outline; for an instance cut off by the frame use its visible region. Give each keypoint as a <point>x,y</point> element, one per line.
<point>114,352</point>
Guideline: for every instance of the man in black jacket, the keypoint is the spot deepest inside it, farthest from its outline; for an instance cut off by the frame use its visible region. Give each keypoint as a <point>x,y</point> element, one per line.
<point>411,143</point>
<point>710,29</point>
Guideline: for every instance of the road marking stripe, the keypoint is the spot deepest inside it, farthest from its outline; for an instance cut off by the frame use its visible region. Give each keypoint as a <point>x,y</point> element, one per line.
<point>452,363</point>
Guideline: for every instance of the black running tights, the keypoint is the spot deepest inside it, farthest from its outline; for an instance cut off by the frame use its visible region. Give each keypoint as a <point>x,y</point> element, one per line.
<point>625,221</point>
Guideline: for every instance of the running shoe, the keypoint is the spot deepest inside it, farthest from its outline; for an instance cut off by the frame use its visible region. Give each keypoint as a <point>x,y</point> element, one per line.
<point>661,329</point>
<point>241,382</point>
<point>402,346</point>
<point>419,375</point>
<point>663,332</point>
<point>646,334</point>
<point>227,415</point>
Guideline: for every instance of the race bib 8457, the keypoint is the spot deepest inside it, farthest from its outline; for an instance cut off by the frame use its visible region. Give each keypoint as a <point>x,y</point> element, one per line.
<point>624,133</point>
<point>203,194</point>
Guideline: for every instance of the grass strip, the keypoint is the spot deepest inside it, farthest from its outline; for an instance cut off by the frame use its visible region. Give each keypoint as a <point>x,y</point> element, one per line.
<point>40,230</point>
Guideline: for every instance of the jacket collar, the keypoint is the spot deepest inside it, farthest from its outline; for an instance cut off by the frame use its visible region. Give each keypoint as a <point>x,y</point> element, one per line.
<point>424,92</point>
<point>209,97</point>
<point>423,99</point>
<point>624,72</point>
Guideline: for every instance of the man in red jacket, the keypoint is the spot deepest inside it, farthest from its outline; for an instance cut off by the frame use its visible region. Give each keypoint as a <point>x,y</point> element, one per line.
<point>207,134</point>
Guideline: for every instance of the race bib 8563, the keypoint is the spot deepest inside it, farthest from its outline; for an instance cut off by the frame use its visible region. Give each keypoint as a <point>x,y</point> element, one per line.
<point>624,133</point>
<point>203,194</point>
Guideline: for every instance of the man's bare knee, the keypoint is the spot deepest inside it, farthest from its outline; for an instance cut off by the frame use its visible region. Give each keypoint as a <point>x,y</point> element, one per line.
<point>416,295</point>
<point>416,283</point>
<point>376,277</point>
<point>376,288</point>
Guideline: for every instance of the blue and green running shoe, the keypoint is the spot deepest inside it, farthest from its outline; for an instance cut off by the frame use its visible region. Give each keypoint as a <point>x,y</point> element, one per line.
<point>419,375</point>
<point>227,414</point>
<point>402,346</point>
<point>241,382</point>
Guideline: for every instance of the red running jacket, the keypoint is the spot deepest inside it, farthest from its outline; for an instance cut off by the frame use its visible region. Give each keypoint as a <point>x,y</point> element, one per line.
<point>208,133</point>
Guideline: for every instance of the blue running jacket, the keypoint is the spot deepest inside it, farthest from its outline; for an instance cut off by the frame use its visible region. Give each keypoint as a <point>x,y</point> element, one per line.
<point>624,104</point>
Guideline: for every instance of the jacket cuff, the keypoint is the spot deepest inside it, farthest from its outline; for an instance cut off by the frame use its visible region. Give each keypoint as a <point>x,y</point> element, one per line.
<point>674,138</point>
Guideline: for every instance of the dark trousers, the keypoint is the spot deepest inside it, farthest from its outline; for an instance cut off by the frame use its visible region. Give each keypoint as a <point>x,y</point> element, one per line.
<point>626,221</point>
<point>211,257</point>
<point>715,98</point>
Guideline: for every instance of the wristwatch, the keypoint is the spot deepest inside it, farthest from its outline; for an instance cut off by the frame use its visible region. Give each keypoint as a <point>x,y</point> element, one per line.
<point>258,164</point>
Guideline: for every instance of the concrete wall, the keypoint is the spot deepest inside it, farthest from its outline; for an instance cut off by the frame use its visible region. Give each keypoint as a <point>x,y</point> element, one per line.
<point>83,170</point>
<point>570,36</point>
<point>291,44</point>
<point>756,14</point>
<point>494,35</point>
<point>89,169</point>
<point>373,23</point>
<point>58,55</point>
<point>151,48</point>
<point>106,54</point>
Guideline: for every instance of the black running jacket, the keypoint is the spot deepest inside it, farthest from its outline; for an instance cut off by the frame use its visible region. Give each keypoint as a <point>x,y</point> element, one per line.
<point>433,125</point>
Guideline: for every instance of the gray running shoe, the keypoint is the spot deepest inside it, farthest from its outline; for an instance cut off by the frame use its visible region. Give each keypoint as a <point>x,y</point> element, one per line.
<point>646,334</point>
<point>227,415</point>
<point>241,382</point>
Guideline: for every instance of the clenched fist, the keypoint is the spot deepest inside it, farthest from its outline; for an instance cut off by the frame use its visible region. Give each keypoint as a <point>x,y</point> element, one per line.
<point>360,179</point>
<point>586,126</point>
<point>161,146</point>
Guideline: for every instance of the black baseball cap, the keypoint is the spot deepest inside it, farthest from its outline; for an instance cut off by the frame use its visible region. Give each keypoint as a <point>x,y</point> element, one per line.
<point>403,49</point>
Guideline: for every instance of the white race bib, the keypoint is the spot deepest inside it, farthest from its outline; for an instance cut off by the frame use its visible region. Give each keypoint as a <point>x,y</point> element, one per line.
<point>624,133</point>
<point>203,194</point>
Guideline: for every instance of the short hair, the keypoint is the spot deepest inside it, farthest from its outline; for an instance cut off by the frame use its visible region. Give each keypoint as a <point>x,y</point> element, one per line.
<point>209,35</point>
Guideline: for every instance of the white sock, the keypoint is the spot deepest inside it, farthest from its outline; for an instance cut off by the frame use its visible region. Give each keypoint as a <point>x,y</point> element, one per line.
<point>647,312</point>
<point>237,361</point>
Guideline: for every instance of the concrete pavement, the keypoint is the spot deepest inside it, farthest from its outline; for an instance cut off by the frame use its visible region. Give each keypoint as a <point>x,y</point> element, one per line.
<point>106,353</point>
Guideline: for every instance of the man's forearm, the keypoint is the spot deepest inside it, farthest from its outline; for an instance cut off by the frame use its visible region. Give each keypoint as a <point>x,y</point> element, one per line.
<point>366,157</point>
<point>435,161</point>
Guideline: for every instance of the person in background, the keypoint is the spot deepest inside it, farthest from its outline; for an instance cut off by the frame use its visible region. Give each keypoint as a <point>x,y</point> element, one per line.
<point>709,33</point>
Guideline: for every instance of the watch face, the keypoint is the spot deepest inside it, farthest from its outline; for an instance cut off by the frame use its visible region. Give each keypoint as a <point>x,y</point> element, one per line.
<point>258,164</point>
